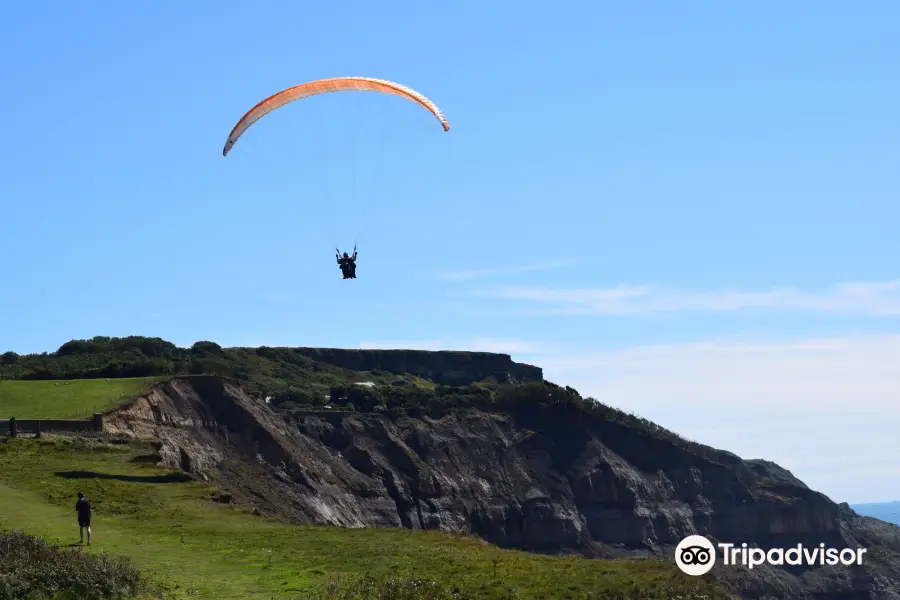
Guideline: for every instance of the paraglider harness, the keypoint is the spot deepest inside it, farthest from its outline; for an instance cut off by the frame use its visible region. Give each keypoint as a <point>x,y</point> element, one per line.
<point>347,264</point>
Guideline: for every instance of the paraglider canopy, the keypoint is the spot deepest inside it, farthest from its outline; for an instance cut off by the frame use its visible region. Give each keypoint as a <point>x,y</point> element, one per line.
<point>325,86</point>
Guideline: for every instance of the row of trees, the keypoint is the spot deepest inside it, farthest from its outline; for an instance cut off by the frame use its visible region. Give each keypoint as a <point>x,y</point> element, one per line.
<point>109,357</point>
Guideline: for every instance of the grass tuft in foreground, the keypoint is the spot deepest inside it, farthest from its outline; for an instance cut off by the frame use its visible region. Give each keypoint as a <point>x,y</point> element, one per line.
<point>31,567</point>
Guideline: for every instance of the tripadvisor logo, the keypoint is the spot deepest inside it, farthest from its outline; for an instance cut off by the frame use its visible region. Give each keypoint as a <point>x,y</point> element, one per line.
<point>695,555</point>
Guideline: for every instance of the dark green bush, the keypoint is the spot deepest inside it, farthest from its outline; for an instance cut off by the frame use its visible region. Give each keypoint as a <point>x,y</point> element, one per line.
<point>297,397</point>
<point>31,567</point>
<point>205,348</point>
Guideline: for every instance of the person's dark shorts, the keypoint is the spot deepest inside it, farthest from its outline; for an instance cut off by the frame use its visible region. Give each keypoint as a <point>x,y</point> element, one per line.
<point>84,522</point>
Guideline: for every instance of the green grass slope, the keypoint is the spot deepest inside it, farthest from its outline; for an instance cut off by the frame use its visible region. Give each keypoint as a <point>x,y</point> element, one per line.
<point>171,529</point>
<point>67,399</point>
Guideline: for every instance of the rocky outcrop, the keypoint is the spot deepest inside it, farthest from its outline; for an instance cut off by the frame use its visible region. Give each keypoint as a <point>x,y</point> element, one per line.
<point>449,368</point>
<point>541,482</point>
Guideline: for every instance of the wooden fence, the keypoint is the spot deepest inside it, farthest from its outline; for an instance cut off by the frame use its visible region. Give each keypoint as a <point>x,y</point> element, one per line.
<point>14,426</point>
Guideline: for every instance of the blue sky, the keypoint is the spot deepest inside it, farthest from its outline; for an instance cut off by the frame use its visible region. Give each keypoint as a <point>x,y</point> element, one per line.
<point>688,210</point>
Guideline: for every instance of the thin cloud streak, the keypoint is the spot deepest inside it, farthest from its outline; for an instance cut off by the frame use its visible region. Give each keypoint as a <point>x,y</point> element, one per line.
<point>861,298</point>
<point>482,273</point>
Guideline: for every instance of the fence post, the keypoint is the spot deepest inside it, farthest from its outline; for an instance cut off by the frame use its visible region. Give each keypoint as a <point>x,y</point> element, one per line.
<point>12,427</point>
<point>37,433</point>
<point>98,421</point>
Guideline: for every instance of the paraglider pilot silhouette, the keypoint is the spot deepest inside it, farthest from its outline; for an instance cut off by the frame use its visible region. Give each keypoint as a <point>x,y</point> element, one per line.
<point>347,263</point>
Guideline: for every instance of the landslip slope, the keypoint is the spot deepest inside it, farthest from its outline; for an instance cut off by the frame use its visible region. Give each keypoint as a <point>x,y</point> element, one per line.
<point>545,482</point>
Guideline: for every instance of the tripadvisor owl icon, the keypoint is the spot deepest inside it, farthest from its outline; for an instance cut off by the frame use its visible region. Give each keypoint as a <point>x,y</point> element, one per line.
<point>695,555</point>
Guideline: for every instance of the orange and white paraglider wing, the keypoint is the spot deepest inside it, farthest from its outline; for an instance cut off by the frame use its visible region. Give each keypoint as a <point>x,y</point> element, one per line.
<point>325,86</point>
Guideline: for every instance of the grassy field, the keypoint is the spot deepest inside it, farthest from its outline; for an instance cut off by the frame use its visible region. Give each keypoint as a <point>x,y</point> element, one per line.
<point>200,549</point>
<point>72,399</point>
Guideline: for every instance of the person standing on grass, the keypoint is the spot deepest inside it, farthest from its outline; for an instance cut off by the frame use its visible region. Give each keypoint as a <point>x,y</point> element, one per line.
<point>83,508</point>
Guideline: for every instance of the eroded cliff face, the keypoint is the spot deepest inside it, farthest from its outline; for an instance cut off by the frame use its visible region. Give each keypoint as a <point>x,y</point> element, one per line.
<point>517,480</point>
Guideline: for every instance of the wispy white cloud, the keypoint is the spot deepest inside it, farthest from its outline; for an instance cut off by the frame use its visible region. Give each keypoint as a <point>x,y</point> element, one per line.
<point>823,408</point>
<point>869,298</point>
<point>474,345</point>
<point>482,273</point>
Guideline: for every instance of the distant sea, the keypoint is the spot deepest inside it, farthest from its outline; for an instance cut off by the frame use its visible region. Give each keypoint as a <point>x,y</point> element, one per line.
<point>886,511</point>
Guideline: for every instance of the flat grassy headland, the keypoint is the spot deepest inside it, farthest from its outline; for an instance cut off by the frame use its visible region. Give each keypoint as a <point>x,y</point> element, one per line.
<point>67,399</point>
